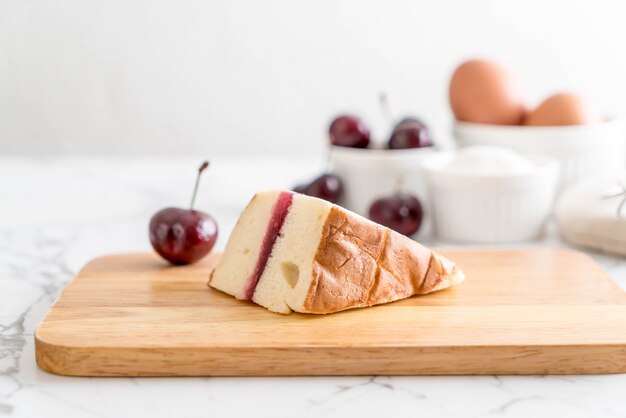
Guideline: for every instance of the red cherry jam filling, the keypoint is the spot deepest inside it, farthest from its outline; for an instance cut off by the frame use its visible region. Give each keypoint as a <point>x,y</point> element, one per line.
<point>279,213</point>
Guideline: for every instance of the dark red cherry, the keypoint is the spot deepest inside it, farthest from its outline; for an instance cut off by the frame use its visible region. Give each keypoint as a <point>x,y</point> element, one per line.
<point>183,236</point>
<point>401,212</point>
<point>407,121</point>
<point>326,186</point>
<point>349,131</point>
<point>410,133</point>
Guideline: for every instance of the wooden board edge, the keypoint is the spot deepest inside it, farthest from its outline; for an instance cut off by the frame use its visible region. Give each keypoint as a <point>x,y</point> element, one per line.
<point>116,256</point>
<point>46,356</point>
<point>311,361</point>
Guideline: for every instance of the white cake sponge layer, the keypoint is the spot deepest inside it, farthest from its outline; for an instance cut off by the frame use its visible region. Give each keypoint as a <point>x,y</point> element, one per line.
<point>288,273</point>
<point>244,246</point>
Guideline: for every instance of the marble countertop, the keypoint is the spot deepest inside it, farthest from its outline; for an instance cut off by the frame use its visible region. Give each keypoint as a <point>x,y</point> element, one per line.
<point>56,214</point>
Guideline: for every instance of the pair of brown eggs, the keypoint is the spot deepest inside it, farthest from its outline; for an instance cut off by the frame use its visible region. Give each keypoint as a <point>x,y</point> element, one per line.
<point>486,92</point>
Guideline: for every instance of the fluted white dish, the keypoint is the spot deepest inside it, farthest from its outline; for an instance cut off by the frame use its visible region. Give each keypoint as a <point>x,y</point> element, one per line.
<point>491,208</point>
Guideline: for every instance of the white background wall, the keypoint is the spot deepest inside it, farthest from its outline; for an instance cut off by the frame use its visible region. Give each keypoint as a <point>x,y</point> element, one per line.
<point>253,77</point>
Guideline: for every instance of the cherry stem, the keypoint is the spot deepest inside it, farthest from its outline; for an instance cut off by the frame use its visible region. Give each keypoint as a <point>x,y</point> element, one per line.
<point>384,107</point>
<point>329,158</point>
<point>202,167</point>
<point>399,185</point>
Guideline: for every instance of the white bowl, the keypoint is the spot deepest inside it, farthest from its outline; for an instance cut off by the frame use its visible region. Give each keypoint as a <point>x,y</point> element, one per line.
<point>582,150</point>
<point>491,209</point>
<point>368,174</point>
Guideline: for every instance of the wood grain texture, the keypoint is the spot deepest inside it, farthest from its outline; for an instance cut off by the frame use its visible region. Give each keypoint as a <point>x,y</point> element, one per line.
<point>525,311</point>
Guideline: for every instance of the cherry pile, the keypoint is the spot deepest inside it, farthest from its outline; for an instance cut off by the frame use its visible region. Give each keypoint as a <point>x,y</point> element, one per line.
<point>350,131</point>
<point>400,211</point>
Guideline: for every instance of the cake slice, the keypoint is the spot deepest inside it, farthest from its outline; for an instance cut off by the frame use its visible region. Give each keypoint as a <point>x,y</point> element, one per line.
<point>291,252</point>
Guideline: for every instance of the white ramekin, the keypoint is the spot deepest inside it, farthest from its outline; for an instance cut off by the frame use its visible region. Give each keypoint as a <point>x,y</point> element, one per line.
<point>368,174</point>
<point>582,151</point>
<point>491,209</point>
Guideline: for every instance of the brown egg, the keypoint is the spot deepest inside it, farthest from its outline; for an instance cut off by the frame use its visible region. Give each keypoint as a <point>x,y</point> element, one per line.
<point>564,109</point>
<point>485,92</point>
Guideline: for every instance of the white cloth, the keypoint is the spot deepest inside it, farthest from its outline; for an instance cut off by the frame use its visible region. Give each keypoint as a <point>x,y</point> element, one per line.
<point>587,216</point>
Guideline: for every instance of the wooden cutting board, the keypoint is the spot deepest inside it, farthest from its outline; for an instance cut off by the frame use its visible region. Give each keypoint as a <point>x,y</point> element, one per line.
<point>526,311</point>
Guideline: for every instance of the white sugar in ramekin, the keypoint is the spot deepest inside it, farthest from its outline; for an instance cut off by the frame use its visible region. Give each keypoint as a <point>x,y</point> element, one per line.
<point>489,208</point>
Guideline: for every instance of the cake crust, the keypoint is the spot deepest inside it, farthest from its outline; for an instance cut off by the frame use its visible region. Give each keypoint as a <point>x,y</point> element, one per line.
<point>359,263</point>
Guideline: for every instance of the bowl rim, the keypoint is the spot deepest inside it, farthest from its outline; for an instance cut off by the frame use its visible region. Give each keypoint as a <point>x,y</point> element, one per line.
<point>363,154</point>
<point>610,121</point>
<point>339,148</point>
<point>543,166</point>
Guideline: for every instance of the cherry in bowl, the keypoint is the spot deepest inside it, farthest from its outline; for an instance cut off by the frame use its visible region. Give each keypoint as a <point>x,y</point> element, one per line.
<point>410,133</point>
<point>326,186</point>
<point>349,131</point>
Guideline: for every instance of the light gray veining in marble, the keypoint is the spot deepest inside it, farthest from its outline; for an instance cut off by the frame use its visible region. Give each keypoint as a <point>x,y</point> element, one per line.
<point>56,214</point>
